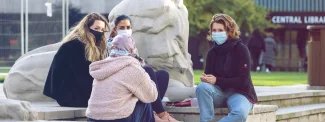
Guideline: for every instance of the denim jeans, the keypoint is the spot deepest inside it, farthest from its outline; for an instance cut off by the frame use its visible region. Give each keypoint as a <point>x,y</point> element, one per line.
<point>161,78</point>
<point>211,96</point>
<point>141,113</point>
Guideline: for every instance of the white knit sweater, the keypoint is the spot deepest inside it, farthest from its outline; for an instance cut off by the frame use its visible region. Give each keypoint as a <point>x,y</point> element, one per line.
<point>119,82</point>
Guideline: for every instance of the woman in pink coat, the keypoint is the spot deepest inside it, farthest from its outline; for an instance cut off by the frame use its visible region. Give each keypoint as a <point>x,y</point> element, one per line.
<point>122,90</point>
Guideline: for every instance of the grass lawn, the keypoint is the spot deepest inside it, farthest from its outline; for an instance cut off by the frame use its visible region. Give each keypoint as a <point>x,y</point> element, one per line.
<point>2,78</point>
<point>259,78</point>
<point>270,79</point>
<point>4,69</point>
<point>3,73</point>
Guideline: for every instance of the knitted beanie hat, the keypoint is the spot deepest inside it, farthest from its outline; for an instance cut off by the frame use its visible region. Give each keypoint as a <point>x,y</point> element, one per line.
<point>122,45</point>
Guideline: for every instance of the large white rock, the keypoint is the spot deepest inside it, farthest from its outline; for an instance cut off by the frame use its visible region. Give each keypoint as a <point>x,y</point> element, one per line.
<point>161,29</point>
<point>26,78</point>
<point>16,110</point>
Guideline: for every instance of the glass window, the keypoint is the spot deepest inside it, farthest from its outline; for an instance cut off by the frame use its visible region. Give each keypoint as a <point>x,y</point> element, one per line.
<point>10,32</point>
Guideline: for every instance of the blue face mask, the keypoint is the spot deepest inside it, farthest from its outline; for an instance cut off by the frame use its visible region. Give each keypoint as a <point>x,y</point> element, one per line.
<point>219,37</point>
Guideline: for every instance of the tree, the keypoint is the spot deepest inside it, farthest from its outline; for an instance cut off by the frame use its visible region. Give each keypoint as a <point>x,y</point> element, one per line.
<point>246,13</point>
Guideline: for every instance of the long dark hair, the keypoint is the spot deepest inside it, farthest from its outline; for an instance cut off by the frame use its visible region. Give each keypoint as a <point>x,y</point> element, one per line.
<point>117,21</point>
<point>120,18</point>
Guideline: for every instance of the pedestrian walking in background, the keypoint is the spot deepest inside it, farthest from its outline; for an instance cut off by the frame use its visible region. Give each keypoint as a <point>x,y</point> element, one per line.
<point>256,46</point>
<point>268,57</point>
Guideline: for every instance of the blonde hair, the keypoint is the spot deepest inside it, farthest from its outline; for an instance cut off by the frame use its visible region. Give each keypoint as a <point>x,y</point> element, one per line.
<point>230,25</point>
<point>81,31</point>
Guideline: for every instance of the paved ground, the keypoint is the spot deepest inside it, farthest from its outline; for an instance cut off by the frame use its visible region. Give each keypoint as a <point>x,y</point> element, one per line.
<point>268,90</point>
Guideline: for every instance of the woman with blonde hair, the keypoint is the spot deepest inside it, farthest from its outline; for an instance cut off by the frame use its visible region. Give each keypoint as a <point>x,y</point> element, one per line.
<point>226,80</point>
<point>68,80</point>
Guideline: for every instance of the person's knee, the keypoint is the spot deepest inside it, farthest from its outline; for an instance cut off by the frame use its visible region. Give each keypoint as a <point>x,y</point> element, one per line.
<point>148,69</point>
<point>162,74</point>
<point>204,87</point>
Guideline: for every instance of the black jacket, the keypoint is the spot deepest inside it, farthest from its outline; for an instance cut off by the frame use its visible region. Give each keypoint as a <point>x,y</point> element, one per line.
<point>230,63</point>
<point>69,81</point>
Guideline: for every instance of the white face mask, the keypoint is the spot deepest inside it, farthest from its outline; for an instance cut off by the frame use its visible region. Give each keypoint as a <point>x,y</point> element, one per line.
<point>116,52</point>
<point>127,32</point>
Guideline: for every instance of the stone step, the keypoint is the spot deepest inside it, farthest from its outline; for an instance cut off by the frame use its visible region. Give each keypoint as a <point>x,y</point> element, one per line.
<point>261,113</point>
<point>302,113</point>
<point>52,111</point>
<point>291,97</point>
<point>286,98</point>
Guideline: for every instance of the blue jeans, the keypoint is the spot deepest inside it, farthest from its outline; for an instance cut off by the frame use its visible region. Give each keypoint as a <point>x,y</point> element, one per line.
<point>161,78</point>
<point>141,113</point>
<point>211,96</point>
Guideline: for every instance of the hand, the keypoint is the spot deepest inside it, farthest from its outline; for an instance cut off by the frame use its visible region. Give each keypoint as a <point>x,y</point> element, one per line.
<point>142,62</point>
<point>208,78</point>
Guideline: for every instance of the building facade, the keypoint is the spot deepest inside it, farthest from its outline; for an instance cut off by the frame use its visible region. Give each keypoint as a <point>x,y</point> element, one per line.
<point>292,18</point>
<point>29,24</point>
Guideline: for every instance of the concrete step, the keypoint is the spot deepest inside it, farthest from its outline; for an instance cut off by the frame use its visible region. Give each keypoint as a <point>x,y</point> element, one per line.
<point>52,111</point>
<point>302,113</point>
<point>262,113</point>
<point>290,97</point>
<point>283,98</point>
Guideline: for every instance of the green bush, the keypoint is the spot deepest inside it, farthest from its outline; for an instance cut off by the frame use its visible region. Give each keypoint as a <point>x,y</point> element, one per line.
<point>2,77</point>
<point>3,73</point>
